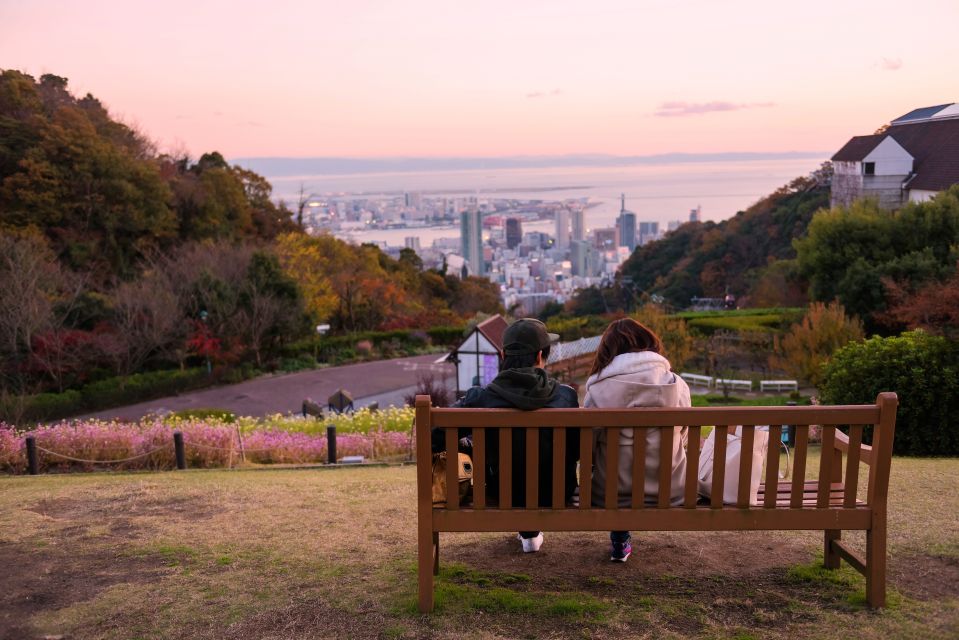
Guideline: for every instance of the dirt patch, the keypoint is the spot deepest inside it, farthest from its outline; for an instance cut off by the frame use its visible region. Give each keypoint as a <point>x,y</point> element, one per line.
<point>925,577</point>
<point>34,581</point>
<point>185,508</point>
<point>307,620</point>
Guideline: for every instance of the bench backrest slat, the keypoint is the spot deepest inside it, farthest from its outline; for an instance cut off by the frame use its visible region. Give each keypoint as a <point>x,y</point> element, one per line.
<point>882,452</point>
<point>772,466</point>
<point>649,417</point>
<point>666,438</point>
<point>505,468</point>
<point>692,468</point>
<point>532,468</point>
<point>585,468</point>
<point>559,467</point>
<point>639,467</point>
<point>452,470</point>
<point>826,462</point>
<point>799,466</point>
<point>479,468</point>
<point>719,465</point>
<point>745,465</point>
<point>612,465</point>
<point>852,465</point>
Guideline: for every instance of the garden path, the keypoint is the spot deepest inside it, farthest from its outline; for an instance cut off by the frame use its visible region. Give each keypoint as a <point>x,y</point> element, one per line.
<point>385,381</point>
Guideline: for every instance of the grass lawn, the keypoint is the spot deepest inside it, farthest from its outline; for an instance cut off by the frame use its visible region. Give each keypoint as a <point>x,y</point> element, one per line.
<point>330,553</point>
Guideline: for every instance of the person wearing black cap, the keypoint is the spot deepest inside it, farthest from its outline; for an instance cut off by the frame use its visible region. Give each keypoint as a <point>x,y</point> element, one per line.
<point>522,383</point>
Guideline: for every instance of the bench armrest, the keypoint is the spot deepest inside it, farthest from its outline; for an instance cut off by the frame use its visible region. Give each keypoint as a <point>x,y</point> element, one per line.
<point>842,443</point>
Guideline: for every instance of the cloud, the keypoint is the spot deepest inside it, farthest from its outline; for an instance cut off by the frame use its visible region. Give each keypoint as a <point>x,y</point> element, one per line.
<point>890,64</point>
<point>545,94</point>
<point>671,109</point>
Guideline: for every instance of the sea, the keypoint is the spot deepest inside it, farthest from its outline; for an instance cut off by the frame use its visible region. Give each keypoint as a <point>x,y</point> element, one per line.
<point>655,192</point>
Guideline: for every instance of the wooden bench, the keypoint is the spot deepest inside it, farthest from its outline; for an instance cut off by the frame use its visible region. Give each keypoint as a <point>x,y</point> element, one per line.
<point>830,502</point>
<point>733,385</point>
<point>778,385</point>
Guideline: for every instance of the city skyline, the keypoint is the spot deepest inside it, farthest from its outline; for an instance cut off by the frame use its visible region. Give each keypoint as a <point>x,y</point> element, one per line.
<point>372,79</point>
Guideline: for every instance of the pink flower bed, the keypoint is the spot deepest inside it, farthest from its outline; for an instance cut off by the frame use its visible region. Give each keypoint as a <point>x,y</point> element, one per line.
<point>70,446</point>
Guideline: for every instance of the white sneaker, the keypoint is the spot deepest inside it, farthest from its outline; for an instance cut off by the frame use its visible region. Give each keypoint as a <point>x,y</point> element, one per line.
<point>531,545</point>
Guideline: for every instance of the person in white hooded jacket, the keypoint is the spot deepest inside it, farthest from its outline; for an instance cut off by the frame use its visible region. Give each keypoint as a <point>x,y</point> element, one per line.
<point>630,371</point>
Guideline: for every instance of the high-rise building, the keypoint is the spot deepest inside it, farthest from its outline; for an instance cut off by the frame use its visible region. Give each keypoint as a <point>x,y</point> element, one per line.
<point>605,239</point>
<point>562,228</point>
<point>471,240</point>
<point>412,242</point>
<point>514,232</point>
<point>626,223</point>
<point>579,224</point>
<point>580,254</point>
<point>648,231</point>
<point>696,215</point>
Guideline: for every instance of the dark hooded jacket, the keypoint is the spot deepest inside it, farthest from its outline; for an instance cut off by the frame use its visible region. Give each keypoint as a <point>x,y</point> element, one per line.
<point>528,389</point>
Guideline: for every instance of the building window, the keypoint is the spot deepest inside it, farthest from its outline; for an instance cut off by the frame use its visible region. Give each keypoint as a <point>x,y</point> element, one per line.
<point>869,168</point>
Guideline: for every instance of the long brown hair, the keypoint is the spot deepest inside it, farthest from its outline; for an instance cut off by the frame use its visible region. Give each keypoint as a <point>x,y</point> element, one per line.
<point>624,336</point>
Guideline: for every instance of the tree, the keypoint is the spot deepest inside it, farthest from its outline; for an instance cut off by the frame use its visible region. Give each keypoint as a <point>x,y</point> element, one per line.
<point>677,341</point>
<point>807,346</point>
<point>850,251</point>
<point>934,307</point>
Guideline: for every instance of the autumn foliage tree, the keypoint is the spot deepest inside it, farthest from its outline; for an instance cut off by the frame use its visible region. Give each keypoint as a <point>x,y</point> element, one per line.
<point>807,346</point>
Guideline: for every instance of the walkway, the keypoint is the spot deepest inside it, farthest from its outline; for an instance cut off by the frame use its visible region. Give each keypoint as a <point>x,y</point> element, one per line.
<point>385,381</point>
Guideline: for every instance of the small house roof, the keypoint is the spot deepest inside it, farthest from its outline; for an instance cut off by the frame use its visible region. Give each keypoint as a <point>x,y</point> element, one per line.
<point>935,146</point>
<point>493,329</point>
<point>858,148</point>
<point>922,113</point>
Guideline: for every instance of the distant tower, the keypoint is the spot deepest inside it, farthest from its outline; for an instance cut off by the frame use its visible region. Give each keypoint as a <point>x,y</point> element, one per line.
<point>514,232</point>
<point>579,225</point>
<point>562,228</point>
<point>695,215</point>
<point>471,240</point>
<point>626,225</point>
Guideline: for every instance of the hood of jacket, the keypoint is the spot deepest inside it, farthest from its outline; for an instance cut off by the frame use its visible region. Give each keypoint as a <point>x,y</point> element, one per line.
<point>528,388</point>
<point>641,379</point>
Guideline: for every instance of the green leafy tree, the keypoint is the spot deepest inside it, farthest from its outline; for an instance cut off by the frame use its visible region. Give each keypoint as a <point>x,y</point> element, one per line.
<point>922,369</point>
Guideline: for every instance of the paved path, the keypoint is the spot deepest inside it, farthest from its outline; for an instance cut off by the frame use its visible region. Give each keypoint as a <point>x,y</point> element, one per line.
<point>385,381</point>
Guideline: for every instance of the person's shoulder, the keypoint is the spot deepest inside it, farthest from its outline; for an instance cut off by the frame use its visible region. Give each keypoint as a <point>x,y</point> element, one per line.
<point>474,397</point>
<point>567,396</point>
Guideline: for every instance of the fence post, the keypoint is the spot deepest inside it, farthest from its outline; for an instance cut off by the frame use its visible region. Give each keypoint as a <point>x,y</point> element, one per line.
<point>33,463</point>
<point>331,444</point>
<point>791,428</point>
<point>178,449</point>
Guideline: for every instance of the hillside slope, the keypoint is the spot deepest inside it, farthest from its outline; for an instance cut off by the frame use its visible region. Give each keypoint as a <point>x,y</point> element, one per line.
<point>707,259</point>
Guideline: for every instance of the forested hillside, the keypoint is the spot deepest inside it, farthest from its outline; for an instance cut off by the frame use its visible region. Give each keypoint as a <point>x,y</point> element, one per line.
<point>116,259</point>
<point>709,259</point>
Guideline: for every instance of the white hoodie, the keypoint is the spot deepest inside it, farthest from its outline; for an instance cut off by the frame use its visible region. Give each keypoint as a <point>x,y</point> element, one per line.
<point>641,379</point>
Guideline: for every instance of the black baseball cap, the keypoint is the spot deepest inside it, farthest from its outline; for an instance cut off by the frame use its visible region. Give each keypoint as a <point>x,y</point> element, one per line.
<point>527,336</point>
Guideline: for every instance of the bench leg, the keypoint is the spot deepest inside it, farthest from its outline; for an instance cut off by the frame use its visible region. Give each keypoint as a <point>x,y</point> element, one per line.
<point>425,569</point>
<point>436,553</point>
<point>876,563</point>
<point>830,557</point>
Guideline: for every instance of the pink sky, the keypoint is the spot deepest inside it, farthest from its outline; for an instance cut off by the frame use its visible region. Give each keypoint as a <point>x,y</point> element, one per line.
<point>439,78</point>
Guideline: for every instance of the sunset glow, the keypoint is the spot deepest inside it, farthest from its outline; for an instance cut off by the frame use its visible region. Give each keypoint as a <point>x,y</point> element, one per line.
<point>376,78</point>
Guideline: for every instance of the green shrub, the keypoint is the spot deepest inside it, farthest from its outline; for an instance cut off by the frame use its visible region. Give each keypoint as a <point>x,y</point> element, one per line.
<point>922,369</point>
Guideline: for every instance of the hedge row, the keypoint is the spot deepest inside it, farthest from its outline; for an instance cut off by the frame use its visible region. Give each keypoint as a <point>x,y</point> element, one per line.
<point>402,337</point>
<point>922,369</point>
<point>103,394</point>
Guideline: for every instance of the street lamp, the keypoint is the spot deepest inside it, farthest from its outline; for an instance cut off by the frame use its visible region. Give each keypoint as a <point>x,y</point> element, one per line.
<point>321,330</point>
<point>206,337</point>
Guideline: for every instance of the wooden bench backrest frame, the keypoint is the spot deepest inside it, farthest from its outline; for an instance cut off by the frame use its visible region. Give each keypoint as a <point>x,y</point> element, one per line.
<point>829,503</point>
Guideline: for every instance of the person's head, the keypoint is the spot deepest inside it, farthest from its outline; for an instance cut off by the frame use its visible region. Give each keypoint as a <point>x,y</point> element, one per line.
<point>624,336</point>
<point>526,344</point>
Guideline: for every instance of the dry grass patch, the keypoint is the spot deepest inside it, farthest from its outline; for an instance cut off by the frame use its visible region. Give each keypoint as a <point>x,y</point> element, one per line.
<point>330,553</point>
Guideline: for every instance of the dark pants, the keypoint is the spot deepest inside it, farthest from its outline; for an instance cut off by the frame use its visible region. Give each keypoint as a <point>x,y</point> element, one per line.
<point>619,536</point>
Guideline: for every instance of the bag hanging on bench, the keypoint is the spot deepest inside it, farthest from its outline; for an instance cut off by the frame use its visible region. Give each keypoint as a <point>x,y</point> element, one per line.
<point>464,474</point>
<point>734,443</point>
